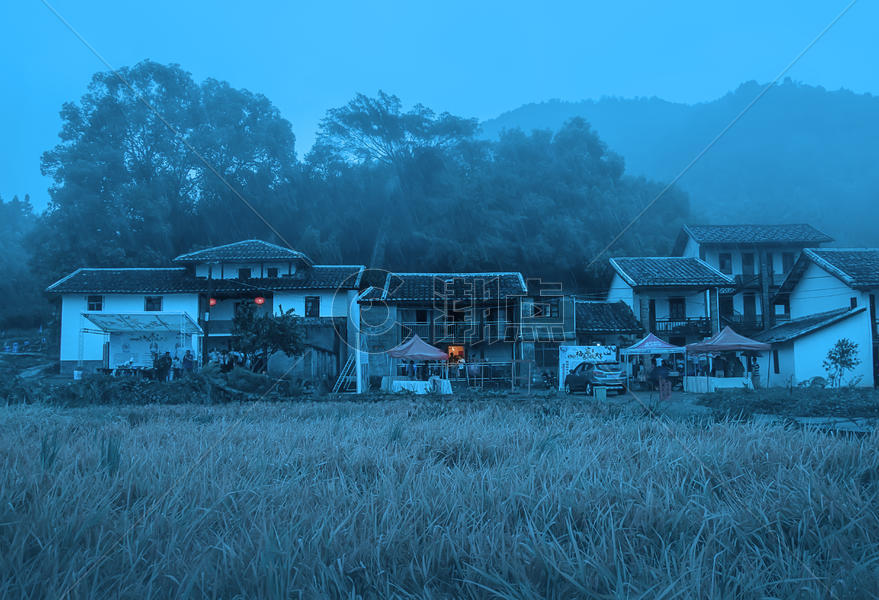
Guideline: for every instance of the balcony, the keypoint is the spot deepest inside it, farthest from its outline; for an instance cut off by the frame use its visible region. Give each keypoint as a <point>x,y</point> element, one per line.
<point>690,326</point>
<point>753,281</point>
<point>745,325</point>
<point>463,332</point>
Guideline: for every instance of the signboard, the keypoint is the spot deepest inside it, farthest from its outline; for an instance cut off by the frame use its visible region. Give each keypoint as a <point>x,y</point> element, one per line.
<point>571,356</point>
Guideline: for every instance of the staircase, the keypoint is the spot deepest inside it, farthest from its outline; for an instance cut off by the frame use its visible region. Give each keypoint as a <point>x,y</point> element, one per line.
<point>347,381</point>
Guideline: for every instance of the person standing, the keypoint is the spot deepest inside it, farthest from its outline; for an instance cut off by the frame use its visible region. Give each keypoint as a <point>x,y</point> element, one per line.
<point>163,366</point>
<point>188,362</point>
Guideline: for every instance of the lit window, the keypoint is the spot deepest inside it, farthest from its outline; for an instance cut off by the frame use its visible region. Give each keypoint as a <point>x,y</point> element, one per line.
<point>95,302</point>
<point>152,303</point>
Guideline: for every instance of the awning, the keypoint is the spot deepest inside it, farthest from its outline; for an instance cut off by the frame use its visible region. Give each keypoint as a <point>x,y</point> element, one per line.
<point>417,349</point>
<point>727,341</point>
<point>651,345</point>
<point>144,322</point>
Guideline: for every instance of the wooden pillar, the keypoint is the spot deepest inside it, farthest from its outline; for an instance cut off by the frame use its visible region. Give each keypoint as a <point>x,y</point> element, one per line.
<point>713,309</point>
<point>765,275</point>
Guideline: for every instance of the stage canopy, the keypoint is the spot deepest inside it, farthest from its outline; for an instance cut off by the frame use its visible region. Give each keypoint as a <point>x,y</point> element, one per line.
<point>727,341</point>
<point>144,322</point>
<point>417,349</point>
<point>651,345</point>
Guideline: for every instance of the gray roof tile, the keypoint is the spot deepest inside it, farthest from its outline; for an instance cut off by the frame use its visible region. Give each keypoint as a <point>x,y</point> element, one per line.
<point>668,271</point>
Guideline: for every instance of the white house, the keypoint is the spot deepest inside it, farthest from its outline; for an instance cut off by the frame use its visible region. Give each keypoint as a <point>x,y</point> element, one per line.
<point>758,258</point>
<point>110,316</point>
<point>832,295</point>
<point>673,297</point>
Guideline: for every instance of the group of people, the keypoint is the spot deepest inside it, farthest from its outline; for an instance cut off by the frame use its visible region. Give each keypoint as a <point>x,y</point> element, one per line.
<point>168,368</point>
<point>229,359</point>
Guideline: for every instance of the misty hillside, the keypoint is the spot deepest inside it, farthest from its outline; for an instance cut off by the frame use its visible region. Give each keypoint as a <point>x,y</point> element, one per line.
<point>801,154</point>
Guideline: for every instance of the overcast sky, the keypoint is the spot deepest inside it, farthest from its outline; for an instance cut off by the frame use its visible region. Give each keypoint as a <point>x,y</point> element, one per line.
<point>471,58</point>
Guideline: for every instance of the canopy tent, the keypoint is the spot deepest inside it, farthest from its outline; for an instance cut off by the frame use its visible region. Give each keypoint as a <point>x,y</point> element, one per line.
<point>417,349</point>
<point>145,322</point>
<point>727,341</point>
<point>135,338</point>
<point>651,345</point>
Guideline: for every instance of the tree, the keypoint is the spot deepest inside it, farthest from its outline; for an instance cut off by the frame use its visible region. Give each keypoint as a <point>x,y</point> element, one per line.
<point>24,305</point>
<point>842,357</point>
<point>268,332</point>
<point>141,160</point>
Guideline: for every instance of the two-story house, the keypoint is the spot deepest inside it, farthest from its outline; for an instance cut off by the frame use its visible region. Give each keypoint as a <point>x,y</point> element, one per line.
<point>675,298</point>
<point>474,316</point>
<point>832,295</point>
<point>758,258</point>
<point>115,316</point>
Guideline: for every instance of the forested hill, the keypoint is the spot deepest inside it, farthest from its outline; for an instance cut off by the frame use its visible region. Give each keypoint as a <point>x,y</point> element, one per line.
<point>801,154</point>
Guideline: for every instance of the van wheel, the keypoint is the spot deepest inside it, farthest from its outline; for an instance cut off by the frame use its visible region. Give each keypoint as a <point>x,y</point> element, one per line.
<point>589,390</point>
<point>568,389</point>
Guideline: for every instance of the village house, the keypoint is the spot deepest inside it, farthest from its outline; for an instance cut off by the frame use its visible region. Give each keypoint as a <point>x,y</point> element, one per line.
<point>471,316</point>
<point>676,298</point>
<point>111,317</point>
<point>832,294</point>
<point>758,258</point>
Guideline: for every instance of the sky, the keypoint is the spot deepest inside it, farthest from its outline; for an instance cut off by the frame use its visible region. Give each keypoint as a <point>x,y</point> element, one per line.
<point>475,59</point>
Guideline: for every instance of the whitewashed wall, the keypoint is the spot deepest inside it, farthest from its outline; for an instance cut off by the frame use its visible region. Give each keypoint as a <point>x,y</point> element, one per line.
<point>72,321</point>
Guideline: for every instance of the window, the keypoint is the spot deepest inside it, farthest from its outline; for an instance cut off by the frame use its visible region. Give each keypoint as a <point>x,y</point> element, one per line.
<point>677,309</point>
<point>152,303</point>
<point>243,273</point>
<point>724,260</point>
<point>272,272</point>
<point>748,263</point>
<point>95,302</point>
<point>421,316</point>
<point>770,263</point>
<point>787,261</point>
<point>853,302</point>
<point>775,367</point>
<point>548,308</point>
<point>312,306</point>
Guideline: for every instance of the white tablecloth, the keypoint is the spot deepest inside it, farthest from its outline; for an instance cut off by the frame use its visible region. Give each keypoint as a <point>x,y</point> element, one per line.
<point>420,387</point>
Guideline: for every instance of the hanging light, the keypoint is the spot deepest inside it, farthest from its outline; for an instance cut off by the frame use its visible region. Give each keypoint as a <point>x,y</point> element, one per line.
<point>212,301</point>
<point>259,300</point>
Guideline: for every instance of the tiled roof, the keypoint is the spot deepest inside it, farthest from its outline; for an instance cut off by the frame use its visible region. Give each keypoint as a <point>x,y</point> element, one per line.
<point>181,280</point>
<point>856,267</point>
<point>431,287</point>
<point>798,233</point>
<point>784,332</point>
<point>606,317</point>
<point>247,250</point>
<point>668,271</point>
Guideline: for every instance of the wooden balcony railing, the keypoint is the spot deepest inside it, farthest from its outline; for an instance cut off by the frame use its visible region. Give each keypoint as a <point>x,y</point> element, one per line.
<point>460,331</point>
<point>696,326</point>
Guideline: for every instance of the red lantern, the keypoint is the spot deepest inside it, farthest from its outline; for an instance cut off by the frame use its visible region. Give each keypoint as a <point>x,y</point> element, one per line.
<point>212,301</point>
<point>259,300</point>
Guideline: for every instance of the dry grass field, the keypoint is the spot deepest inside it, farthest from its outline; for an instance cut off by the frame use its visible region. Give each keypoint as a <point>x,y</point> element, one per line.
<point>428,499</point>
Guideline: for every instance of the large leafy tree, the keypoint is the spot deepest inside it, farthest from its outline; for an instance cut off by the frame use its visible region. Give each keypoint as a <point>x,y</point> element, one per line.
<point>268,332</point>
<point>23,303</point>
<point>151,163</point>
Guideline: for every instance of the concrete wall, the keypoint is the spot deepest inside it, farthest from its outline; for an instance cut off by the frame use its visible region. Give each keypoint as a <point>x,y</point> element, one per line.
<point>810,350</point>
<point>621,291</point>
<point>230,270</point>
<point>694,303</point>
<point>332,303</point>
<point>818,291</point>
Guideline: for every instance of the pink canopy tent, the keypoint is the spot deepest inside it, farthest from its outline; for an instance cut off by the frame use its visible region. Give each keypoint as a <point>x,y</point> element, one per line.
<point>417,349</point>
<point>727,341</point>
<point>652,345</point>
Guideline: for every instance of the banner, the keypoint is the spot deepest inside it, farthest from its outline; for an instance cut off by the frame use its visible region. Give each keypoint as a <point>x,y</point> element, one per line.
<point>571,356</point>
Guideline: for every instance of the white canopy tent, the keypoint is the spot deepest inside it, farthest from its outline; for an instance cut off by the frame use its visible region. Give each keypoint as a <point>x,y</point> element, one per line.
<point>133,337</point>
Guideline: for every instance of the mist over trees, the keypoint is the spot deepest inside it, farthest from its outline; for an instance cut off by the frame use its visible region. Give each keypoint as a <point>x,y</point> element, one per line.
<point>141,175</point>
<point>801,154</point>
